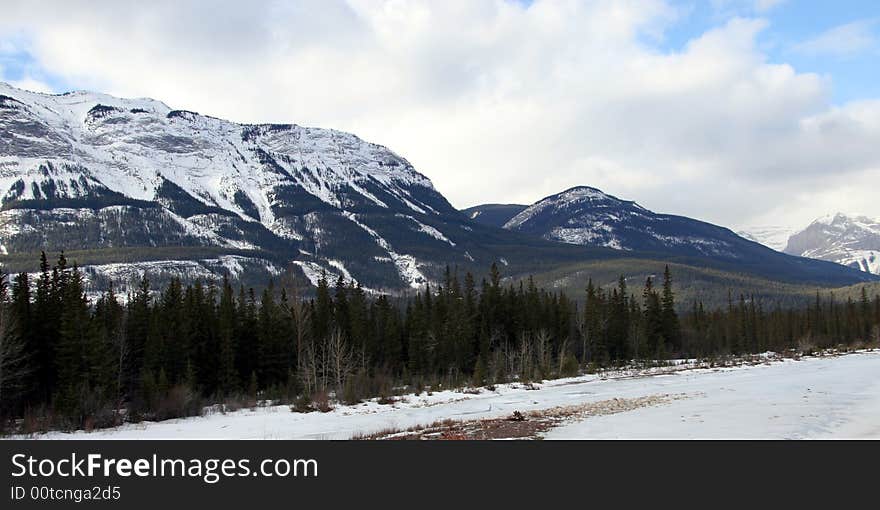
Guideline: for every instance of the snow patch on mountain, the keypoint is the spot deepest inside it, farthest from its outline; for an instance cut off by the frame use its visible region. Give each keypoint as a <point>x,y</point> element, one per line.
<point>775,237</point>
<point>314,272</point>
<point>341,267</point>
<point>427,229</point>
<point>407,265</point>
<point>125,277</point>
<point>597,235</point>
<point>865,260</point>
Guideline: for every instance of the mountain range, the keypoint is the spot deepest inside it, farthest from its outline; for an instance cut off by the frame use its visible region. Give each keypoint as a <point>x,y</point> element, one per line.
<point>131,186</point>
<point>589,217</point>
<point>852,240</point>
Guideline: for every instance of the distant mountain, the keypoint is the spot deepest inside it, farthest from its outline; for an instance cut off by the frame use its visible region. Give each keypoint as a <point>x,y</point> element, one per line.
<point>493,215</point>
<point>850,240</point>
<point>587,216</point>
<point>772,237</point>
<point>132,186</point>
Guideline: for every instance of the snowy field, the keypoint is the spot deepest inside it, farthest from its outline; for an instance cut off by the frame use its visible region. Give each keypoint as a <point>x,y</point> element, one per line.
<point>823,397</point>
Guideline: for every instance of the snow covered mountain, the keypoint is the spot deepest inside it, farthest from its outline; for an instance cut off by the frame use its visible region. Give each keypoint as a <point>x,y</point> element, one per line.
<point>587,216</point>
<point>850,240</point>
<point>775,237</point>
<point>131,186</point>
<point>138,185</point>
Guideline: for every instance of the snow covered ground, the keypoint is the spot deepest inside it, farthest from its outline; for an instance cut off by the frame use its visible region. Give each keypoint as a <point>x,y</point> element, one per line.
<point>823,397</point>
<point>812,398</point>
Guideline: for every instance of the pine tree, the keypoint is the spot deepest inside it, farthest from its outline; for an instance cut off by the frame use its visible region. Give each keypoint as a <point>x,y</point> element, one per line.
<point>138,328</point>
<point>172,335</point>
<point>323,309</point>
<point>864,315</point>
<point>341,317</point>
<point>358,327</point>
<point>14,363</point>
<point>270,345</point>
<point>227,377</point>
<point>618,327</point>
<point>20,323</point>
<point>104,356</point>
<point>653,320</point>
<point>45,332</point>
<point>597,324</point>
<point>112,348</point>
<point>256,337</point>
<point>670,324</point>
<point>77,357</point>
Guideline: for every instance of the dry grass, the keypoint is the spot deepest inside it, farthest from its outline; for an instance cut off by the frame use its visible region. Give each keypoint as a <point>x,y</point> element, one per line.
<point>520,425</point>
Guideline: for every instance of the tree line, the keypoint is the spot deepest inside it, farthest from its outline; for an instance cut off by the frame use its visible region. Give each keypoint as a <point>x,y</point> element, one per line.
<point>69,363</point>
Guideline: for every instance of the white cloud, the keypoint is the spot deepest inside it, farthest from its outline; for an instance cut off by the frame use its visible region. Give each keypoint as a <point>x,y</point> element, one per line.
<point>29,83</point>
<point>494,101</point>
<point>745,6</point>
<point>843,40</point>
<point>766,5</point>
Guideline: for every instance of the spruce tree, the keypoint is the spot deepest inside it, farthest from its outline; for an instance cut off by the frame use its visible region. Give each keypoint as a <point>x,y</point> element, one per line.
<point>323,310</point>
<point>227,377</point>
<point>14,356</point>
<point>45,331</point>
<point>670,325</point>
<point>20,323</point>
<point>653,320</point>
<point>77,357</point>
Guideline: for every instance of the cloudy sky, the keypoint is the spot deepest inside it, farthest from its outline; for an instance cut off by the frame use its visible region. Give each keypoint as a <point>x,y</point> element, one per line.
<point>739,112</point>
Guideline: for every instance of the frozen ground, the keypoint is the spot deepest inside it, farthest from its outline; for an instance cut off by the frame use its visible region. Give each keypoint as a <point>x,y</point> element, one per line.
<point>813,398</point>
<point>828,397</point>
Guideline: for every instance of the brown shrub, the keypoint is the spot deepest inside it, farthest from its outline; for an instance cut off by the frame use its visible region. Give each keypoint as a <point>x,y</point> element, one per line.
<point>321,402</point>
<point>179,402</point>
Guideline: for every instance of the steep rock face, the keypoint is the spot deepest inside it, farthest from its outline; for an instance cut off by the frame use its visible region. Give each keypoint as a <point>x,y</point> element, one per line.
<point>86,171</point>
<point>850,240</point>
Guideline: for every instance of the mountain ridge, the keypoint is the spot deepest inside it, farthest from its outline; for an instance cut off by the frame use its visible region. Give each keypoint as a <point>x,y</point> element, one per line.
<point>210,181</point>
<point>132,185</point>
<point>587,216</point>
<point>85,171</point>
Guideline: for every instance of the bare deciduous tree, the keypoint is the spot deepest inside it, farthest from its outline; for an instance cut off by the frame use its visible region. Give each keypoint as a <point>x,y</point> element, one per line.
<point>542,352</point>
<point>120,343</point>
<point>560,359</point>
<point>299,311</point>
<point>341,359</point>
<point>307,367</point>
<point>525,356</point>
<point>584,331</point>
